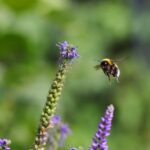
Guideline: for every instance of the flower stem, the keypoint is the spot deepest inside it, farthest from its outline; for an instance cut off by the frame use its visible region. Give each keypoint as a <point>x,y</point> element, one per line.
<point>50,107</point>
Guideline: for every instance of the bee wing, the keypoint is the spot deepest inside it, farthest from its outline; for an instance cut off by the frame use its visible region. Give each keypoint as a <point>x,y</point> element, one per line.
<point>118,60</point>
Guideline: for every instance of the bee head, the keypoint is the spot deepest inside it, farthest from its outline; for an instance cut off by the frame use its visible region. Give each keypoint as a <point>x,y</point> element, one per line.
<point>104,64</point>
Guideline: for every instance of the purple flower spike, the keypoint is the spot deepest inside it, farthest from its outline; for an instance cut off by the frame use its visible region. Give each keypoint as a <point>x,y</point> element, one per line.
<point>100,139</point>
<point>67,51</point>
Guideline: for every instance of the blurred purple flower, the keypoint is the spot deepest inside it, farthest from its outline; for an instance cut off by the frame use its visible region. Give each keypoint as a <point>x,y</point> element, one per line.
<point>55,120</point>
<point>64,131</point>
<point>58,133</point>
<point>67,51</point>
<point>73,148</point>
<point>4,144</point>
<point>100,139</point>
<point>63,46</point>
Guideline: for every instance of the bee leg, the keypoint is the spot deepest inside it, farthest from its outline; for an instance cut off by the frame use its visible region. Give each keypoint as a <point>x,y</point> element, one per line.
<point>117,80</point>
<point>109,78</point>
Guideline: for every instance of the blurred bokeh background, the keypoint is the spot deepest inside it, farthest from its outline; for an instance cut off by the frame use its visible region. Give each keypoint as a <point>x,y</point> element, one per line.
<point>29,31</point>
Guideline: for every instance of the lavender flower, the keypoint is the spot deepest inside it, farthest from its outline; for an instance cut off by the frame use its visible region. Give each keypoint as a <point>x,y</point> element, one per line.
<point>67,51</point>
<point>100,139</point>
<point>4,144</point>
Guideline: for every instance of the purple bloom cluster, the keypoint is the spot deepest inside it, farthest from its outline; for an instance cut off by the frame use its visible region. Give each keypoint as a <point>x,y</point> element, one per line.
<point>60,129</point>
<point>67,51</point>
<point>100,139</point>
<point>4,144</point>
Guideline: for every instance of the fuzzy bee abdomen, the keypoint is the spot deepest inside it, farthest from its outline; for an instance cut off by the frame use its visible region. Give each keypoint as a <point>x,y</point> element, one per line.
<point>115,72</point>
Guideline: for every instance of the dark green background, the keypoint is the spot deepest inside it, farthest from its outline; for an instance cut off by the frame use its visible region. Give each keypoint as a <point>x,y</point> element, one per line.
<point>29,31</point>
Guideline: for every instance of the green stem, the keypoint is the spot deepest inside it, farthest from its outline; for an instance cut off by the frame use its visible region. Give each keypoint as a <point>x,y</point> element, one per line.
<point>50,107</point>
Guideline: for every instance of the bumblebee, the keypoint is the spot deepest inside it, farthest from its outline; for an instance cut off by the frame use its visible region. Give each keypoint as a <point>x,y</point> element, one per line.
<point>109,68</point>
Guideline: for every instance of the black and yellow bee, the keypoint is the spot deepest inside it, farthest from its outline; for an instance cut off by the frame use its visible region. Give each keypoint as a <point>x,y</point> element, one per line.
<point>110,68</point>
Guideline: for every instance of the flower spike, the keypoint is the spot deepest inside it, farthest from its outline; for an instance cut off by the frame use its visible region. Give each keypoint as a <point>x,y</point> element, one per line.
<point>100,139</point>
<point>67,53</point>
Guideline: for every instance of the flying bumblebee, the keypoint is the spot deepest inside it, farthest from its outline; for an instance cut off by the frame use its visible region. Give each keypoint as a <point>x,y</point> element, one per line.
<point>109,68</point>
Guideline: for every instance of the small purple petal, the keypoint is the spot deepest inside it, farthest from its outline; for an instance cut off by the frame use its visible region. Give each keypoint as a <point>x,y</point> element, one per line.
<point>101,126</point>
<point>65,129</point>
<point>55,120</point>
<point>63,45</point>
<point>67,51</point>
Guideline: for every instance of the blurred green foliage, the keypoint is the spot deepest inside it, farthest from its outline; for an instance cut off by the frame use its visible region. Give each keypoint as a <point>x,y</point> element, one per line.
<point>29,31</point>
